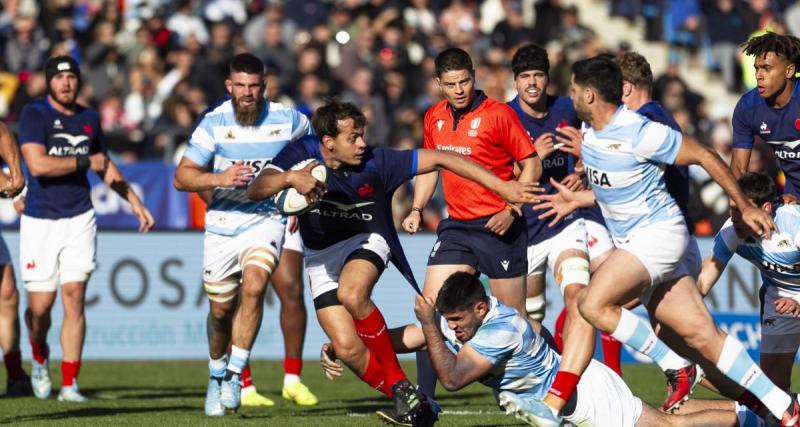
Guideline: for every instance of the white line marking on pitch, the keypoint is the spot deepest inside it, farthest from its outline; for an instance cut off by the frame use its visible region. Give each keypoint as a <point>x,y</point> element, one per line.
<point>357,414</point>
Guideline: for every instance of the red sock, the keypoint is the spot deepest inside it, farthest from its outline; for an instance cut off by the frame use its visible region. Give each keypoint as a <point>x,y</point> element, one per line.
<point>611,352</point>
<point>564,385</point>
<point>247,376</point>
<point>559,336</point>
<point>13,361</point>
<point>40,351</point>
<point>292,366</point>
<point>69,372</point>
<point>375,377</point>
<point>751,401</point>
<point>375,334</point>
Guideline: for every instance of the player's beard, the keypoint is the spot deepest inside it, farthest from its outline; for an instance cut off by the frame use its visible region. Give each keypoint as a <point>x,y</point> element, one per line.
<point>247,116</point>
<point>64,99</point>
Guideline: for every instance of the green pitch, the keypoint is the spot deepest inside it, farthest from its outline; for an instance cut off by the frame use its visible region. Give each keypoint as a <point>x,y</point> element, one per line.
<point>158,394</point>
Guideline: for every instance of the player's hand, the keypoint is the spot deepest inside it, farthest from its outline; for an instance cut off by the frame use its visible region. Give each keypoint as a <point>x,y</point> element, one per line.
<point>544,145</point>
<point>12,186</point>
<point>574,182</point>
<point>293,225</point>
<point>557,205</point>
<point>787,306</point>
<point>424,309</point>
<point>98,162</point>
<point>19,205</point>
<point>413,222</point>
<point>305,183</point>
<point>144,217</point>
<point>237,175</point>
<point>789,199</point>
<point>758,221</point>
<point>500,222</point>
<point>327,358</point>
<point>515,192</point>
<point>569,139</point>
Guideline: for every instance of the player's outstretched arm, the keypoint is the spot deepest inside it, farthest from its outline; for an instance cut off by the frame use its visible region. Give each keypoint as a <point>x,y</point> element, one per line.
<point>693,153</point>
<point>563,203</point>
<point>114,179</point>
<point>41,164</point>
<point>270,181</point>
<point>424,186</point>
<point>10,154</point>
<point>709,274</point>
<point>521,191</point>
<point>190,176</point>
<point>740,158</point>
<point>454,371</point>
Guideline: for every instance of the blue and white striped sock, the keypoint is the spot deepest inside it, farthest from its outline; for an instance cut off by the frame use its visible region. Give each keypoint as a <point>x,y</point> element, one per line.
<point>239,358</point>
<point>216,367</point>
<point>737,365</point>
<point>633,331</point>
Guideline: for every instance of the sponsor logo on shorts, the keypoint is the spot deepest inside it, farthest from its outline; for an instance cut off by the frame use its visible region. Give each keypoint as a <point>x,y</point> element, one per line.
<point>505,263</point>
<point>230,135</point>
<point>770,321</point>
<point>30,265</point>
<point>435,248</point>
<point>592,241</point>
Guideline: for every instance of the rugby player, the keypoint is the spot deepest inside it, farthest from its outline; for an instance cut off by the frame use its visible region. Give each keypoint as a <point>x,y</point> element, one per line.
<point>60,141</point>
<point>623,153</point>
<point>243,239</point>
<point>349,237</point>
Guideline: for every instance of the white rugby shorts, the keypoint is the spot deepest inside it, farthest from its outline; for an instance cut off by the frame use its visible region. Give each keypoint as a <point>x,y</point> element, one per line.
<point>324,266</point>
<point>598,239</point>
<point>224,257</point>
<point>53,251</point>
<point>780,333</point>
<point>293,241</point>
<point>604,400</point>
<point>544,254</point>
<point>660,247</point>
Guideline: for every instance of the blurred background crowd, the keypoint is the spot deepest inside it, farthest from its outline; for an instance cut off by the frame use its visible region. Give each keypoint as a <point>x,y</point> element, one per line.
<point>150,67</point>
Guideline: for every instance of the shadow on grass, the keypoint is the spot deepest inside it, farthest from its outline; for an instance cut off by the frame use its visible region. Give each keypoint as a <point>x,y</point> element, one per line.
<point>133,393</point>
<point>91,412</point>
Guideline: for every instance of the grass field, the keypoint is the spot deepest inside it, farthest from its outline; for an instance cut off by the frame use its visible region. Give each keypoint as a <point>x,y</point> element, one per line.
<point>161,394</point>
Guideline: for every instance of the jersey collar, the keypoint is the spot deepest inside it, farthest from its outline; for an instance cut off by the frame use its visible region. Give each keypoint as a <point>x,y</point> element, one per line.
<point>476,102</point>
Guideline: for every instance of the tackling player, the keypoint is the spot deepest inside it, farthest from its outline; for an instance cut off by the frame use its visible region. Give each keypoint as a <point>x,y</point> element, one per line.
<point>60,141</point>
<point>243,239</point>
<point>17,383</point>
<point>349,237</point>
<point>778,259</point>
<point>623,153</point>
<point>482,233</point>
<point>771,110</point>
<point>562,246</point>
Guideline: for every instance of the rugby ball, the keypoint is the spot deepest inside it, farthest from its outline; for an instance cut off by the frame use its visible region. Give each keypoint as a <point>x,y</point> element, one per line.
<point>289,202</point>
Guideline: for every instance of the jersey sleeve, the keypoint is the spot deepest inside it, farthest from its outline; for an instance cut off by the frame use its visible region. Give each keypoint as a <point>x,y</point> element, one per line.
<point>300,125</point>
<point>290,155</point>
<point>725,243</point>
<point>496,344</point>
<point>427,138</point>
<point>31,128</point>
<point>201,145</point>
<point>512,136</point>
<point>657,142</point>
<point>99,142</point>
<point>742,128</point>
<point>395,166</point>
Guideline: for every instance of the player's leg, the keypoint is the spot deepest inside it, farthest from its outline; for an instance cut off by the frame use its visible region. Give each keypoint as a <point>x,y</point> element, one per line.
<point>535,284</point>
<point>288,283</point>
<point>780,339</point>
<point>650,417</point>
<point>778,367</point>
<point>504,259</point>
<point>38,321</point>
<point>18,383</point>
<point>678,305</point>
<point>222,298</point>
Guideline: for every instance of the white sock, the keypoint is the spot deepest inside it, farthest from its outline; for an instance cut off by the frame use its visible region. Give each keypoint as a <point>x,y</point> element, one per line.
<point>239,358</point>
<point>216,367</point>
<point>289,379</point>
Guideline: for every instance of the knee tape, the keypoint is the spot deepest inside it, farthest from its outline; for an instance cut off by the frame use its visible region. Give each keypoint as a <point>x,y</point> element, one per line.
<point>573,271</point>
<point>535,307</point>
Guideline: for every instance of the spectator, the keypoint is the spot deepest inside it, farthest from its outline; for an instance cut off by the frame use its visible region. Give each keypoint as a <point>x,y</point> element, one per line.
<point>726,32</point>
<point>185,23</point>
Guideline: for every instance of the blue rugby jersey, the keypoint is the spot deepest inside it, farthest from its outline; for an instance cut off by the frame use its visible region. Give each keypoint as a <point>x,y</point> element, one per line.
<point>358,199</point>
<point>778,127</point>
<point>62,136</point>
<point>219,141</point>
<point>558,165</point>
<point>777,258</point>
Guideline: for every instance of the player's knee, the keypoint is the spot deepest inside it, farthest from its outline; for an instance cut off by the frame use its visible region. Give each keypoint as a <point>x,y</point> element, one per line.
<point>347,350</point>
<point>572,271</point>
<point>221,311</point>
<point>535,307</point>
<point>590,310</point>
<point>252,292</point>
<point>700,339</point>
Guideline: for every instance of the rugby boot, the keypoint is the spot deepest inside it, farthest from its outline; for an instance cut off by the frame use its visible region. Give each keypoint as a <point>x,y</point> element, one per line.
<point>680,384</point>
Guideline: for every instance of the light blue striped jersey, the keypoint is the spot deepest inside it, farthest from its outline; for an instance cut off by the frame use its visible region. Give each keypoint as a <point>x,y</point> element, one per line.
<point>625,167</point>
<point>778,258</point>
<point>522,362</point>
<point>218,141</point>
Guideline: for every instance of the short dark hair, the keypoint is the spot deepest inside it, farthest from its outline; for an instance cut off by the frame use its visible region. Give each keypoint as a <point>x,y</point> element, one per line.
<point>246,63</point>
<point>780,44</point>
<point>452,59</point>
<point>758,187</point>
<point>635,69</point>
<point>530,57</point>
<point>460,292</point>
<point>601,74</point>
<point>326,118</point>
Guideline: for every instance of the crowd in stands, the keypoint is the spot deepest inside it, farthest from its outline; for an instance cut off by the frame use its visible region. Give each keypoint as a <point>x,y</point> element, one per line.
<point>152,66</point>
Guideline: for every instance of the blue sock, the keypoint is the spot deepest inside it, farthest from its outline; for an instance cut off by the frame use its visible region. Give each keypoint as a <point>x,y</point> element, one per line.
<point>633,331</point>
<point>737,365</point>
